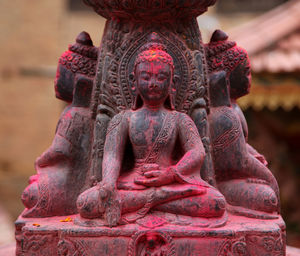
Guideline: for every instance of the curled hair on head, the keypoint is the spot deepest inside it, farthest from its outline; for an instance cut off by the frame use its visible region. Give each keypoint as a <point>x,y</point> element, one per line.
<point>81,57</point>
<point>153,53</point>
<point>155,50</point>
<point>222,54</point>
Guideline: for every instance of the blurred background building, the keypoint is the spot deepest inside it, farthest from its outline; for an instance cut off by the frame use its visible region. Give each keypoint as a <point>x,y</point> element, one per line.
<point>34,33</point>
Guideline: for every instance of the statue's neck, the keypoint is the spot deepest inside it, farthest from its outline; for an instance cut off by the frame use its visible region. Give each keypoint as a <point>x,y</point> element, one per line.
<point>153,107</point>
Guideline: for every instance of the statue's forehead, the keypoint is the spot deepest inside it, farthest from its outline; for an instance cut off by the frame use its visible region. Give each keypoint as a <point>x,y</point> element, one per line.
<point>153,66</point>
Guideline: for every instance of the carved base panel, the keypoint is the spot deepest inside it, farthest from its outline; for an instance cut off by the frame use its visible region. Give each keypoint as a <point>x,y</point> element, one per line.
<point>240,236</point>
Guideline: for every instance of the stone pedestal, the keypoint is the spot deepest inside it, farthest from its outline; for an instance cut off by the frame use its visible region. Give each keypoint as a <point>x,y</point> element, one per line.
<point>240,236</point>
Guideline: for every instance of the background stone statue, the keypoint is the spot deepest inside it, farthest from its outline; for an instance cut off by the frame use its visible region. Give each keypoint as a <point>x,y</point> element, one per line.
<point>62,168</point>
<point>246,183</point>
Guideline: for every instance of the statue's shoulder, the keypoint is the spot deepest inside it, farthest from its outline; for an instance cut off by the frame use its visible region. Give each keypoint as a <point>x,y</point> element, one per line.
<point>186,122</point>
<point>119,119</point>
<point>182,117</point>
<point>124,114</point>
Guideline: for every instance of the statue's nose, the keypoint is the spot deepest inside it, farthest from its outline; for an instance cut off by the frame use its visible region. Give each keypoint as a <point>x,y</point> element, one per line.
<point>153,83</point>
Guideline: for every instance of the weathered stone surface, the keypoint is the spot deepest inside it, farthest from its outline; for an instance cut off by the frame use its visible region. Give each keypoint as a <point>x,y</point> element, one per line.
<point>151,150</point>
<point>242,236</point>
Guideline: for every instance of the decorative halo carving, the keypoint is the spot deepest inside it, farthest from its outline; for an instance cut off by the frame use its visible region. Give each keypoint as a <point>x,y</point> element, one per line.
<point>181,68</point>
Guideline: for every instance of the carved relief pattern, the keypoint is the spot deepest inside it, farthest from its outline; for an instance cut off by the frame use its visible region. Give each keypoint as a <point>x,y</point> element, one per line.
<point>230,135</point>
<point>67,248</point>
<point>256,244</point>
<point>191,85</point>
<point>267,245</point>
<point>234,248</point>
<point>45,200</point>
<point>36,244</point>
<point>192,135</point>
<point>162,137</point>
<point>116,90</point>
<point>97,83</point>
<point>114,123</point>
<point>151,243</point>
<point>110,91</point>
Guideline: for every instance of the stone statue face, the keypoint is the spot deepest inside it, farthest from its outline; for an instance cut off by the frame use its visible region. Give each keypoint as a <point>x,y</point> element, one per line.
<point>240,80</point>
<point>153,81</point>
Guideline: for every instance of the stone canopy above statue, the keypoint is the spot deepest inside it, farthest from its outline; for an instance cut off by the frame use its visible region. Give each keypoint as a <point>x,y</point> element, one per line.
<point>154,10</point>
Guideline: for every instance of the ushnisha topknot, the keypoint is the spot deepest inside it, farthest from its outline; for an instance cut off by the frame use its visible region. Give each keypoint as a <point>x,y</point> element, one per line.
<point>153,55</point>
<point>154,51</point>
<point>222,54</point>
<point>81,57</point>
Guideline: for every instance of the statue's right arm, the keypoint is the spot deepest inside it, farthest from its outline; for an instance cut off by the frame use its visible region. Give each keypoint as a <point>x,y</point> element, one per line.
<point>114,147</point>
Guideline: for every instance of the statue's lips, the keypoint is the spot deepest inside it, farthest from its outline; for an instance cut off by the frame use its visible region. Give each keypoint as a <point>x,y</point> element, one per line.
<point>150,9</point>
<point>154,92</point>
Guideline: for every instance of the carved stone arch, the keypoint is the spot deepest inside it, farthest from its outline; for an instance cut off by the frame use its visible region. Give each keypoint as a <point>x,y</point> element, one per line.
<point>116,91</point>
<point>181,66</point>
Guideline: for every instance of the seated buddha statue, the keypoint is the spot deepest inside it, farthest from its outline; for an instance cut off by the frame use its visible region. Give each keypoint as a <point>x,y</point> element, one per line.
<point>62,168</point>
<point>241,173</point>
<point>248,185</point>
<point>226,55</point>
<point>167,151</point>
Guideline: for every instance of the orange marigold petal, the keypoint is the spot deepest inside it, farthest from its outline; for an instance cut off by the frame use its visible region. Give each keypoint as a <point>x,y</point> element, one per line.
<point>68,219</point>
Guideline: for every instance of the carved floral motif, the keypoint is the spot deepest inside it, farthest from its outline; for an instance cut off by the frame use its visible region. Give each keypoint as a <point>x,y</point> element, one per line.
<point>151,243</point>
<point>34,244</point>
<point>234,248</point>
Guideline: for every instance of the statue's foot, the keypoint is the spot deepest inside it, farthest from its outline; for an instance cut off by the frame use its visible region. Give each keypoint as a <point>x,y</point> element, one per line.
<point>99,202</point>
<point>164,194</point>
<point>88,204</point>
<point>242,211</point>
<point>176,191</point>
<point>250,195</point>
<point>209,205</point>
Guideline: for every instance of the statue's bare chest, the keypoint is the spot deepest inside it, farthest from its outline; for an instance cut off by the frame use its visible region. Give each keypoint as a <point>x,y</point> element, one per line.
<point>145,128</point>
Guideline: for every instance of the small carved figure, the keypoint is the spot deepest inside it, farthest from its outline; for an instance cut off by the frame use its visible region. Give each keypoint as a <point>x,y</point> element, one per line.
<point>167,155</point>
<point>61,169</point>
<point>247,184</point>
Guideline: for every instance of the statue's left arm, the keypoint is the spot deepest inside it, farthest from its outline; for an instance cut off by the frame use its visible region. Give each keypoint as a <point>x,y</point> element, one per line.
<point>250,149</point>
<point>192,146</point>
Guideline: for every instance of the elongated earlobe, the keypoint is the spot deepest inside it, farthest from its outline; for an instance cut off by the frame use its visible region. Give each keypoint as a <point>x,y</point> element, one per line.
<point>138,102</point>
